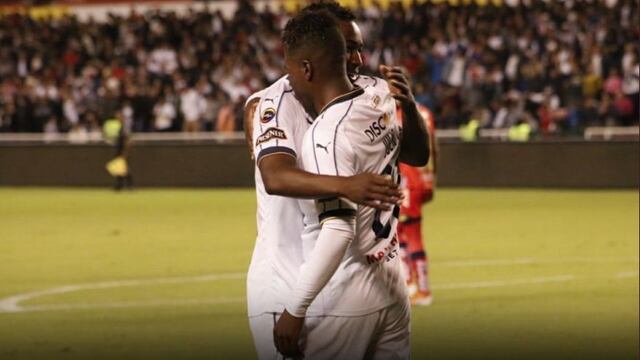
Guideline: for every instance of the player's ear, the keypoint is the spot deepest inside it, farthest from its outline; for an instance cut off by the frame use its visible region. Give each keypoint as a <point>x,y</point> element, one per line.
<point>307,69</point>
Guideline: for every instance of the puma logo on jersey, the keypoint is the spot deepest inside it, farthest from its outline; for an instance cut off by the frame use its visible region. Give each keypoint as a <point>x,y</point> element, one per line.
<point>323,147</point>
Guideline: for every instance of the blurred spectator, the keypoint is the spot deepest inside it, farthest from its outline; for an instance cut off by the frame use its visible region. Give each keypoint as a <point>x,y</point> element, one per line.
<point>613,83</point>
<point>164,113</point>
<point>213,103</point>
<point>225,121</point>
<point>192,106</point>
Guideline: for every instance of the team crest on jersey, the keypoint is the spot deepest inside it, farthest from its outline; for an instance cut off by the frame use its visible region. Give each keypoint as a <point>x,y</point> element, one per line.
<point>376,101</point>
<point>267,115</point>
<point>270,134</point>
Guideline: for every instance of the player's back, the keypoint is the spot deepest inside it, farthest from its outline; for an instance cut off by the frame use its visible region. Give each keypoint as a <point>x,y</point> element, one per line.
<point>356,133</point>
<point>279,126</point>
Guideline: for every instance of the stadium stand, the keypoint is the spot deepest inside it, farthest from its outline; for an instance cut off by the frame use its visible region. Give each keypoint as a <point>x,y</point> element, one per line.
<point>559,67</point>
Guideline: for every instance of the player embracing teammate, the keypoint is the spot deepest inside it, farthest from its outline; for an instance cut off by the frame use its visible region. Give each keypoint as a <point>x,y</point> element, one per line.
<point>325,133</point>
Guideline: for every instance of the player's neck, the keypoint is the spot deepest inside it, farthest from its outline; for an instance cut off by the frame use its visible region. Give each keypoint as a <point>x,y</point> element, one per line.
<point>332,89</point>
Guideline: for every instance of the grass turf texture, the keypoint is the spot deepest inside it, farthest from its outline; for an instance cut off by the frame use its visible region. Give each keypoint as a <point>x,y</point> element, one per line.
<point>518,274</point>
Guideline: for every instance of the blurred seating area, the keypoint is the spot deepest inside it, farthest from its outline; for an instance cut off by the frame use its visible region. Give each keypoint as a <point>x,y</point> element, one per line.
<point>557,66</point>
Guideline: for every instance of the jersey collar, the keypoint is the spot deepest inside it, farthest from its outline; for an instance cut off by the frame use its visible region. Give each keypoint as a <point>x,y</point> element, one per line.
<point>344,97</point>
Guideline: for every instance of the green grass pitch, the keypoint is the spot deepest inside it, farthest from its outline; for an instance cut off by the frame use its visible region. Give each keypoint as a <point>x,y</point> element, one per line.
<point>159,274</point>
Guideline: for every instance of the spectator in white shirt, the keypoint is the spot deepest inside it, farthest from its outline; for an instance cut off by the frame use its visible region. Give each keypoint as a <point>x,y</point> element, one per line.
<point>192,105</point>
<point>164,113</point>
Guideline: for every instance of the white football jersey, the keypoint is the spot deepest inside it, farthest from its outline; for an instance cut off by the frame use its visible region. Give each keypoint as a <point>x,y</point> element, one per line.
<point>365,81</point>
<point>356,133</point>
<point>279,125</point>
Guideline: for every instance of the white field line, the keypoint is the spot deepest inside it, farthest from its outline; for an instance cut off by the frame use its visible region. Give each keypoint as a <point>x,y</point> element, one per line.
<point>132,304</point>
<point>533,261</point>
<point>12,304</point>
<point>627,274</point>
<point>498,283</point>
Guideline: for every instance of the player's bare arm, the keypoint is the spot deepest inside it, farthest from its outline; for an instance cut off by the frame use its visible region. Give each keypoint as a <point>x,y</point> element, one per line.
<point>282,176</point>
<point>414,149</point>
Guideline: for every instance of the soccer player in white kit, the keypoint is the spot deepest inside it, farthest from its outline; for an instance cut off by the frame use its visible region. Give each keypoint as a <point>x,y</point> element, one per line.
<point>351,273</point>
<point>277,256</point>
<point>279,125</point>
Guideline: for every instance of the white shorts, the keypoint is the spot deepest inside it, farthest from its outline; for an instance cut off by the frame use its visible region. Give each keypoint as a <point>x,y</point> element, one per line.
<point>382,335</point>
<point>262,331</point>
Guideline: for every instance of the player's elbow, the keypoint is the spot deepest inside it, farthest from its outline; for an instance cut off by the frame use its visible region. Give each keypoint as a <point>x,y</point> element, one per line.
<point>277,171</point>
<point>273,184</point>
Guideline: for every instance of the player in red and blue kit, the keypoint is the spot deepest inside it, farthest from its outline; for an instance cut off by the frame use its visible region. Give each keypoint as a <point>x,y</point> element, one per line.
<point>418,184</point>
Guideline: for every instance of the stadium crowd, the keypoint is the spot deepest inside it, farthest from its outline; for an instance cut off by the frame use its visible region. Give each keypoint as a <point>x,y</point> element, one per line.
<point>559,66</point>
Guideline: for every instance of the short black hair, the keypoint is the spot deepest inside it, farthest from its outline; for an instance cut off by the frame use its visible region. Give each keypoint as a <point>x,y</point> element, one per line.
<point>317,30</point>
<point>340,12</point>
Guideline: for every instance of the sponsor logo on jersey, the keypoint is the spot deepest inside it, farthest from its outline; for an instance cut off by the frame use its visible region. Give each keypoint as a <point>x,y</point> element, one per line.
<point>387,253</point>
<point>270,134</point>
<point>390,141</point>
<point>376,128</point>
<point>267,115</point>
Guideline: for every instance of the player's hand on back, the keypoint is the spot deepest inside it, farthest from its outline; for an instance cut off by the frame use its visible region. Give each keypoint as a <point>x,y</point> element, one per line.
<point>399,84</point>
<point>286,335</point>
<point>376,191</point>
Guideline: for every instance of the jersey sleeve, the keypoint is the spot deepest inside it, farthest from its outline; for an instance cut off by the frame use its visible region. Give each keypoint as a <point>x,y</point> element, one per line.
<point>274,127</point>
<point>255,96</point>
<point>328,152</point>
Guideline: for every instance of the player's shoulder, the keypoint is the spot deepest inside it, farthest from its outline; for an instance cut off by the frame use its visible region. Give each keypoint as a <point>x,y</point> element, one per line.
<point>373,101</point>
<point>275,99</point>
<point>360,103</point>
<point>366,81</point>
<point>338,109</point>
<point>275,90</point>
<point>279,86</point>
<point>358,112</point>
<point>255,97</point>
<point>373,115</point>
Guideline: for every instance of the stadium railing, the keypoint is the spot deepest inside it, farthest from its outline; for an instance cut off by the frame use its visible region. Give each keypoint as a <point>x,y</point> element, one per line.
<point>608,133</point>
<point>590,133</point>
